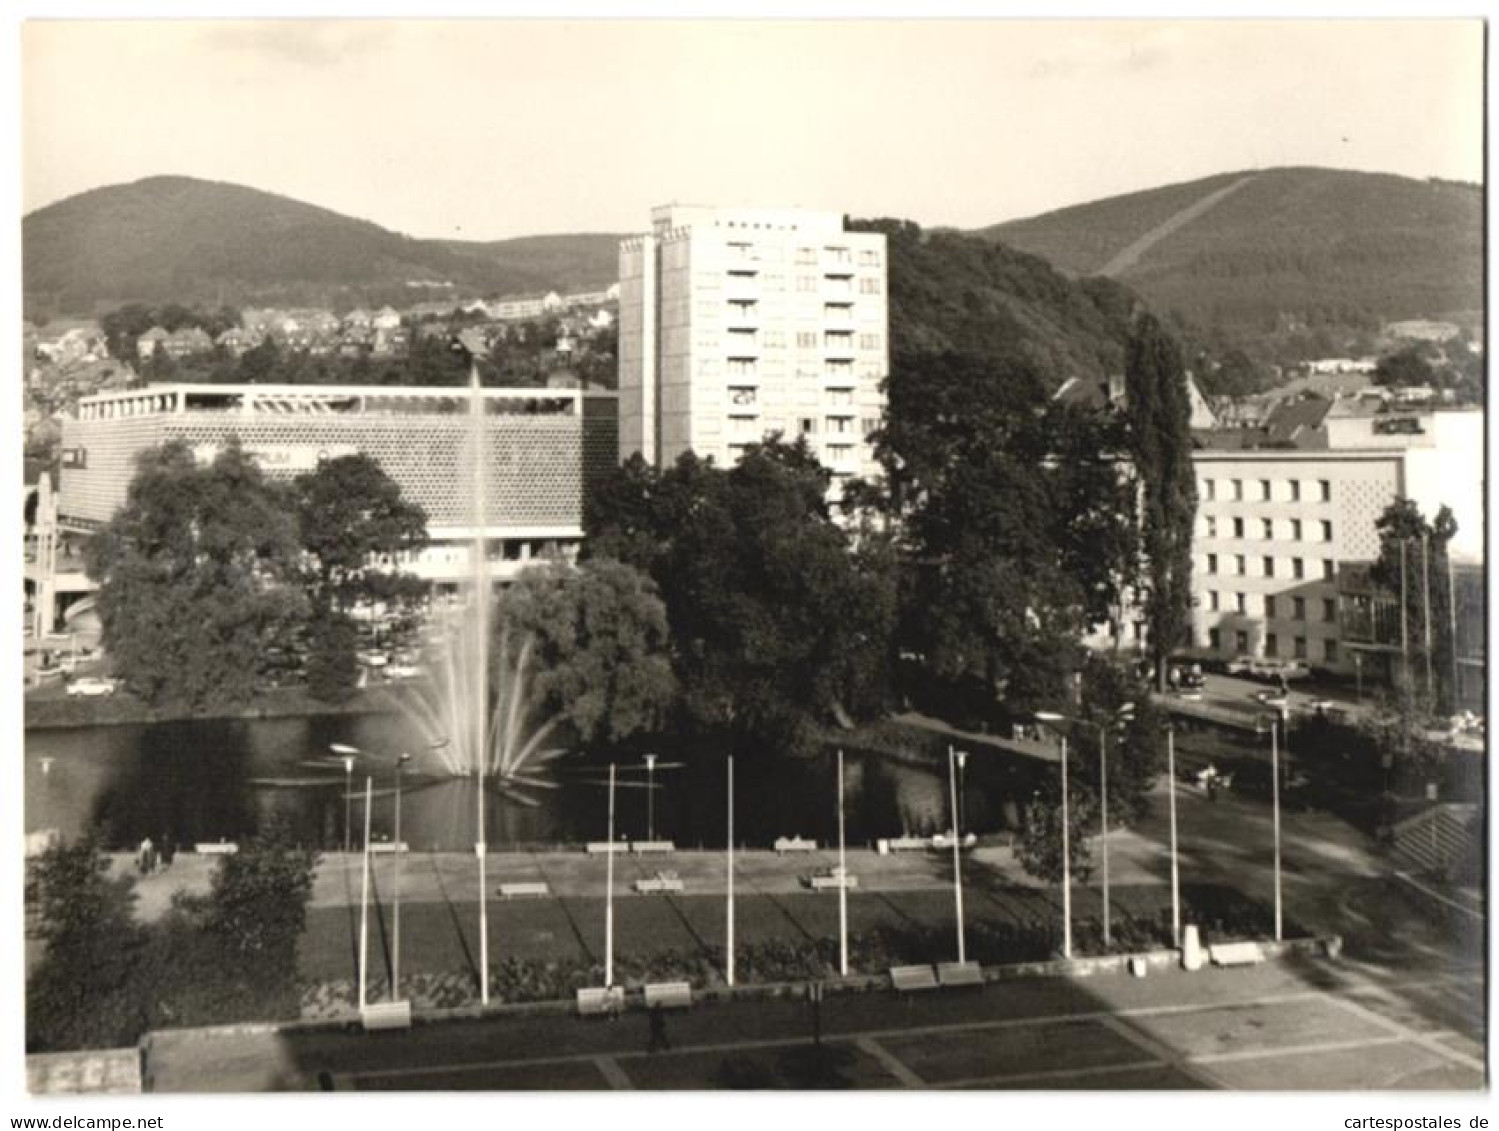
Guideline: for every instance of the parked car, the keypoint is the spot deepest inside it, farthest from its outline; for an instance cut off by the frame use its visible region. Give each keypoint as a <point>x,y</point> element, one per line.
<point>1258,667</point>
<point>91,686</point>
<point>373,659</point>
<point>1277,699</point>
<point>402,671</point>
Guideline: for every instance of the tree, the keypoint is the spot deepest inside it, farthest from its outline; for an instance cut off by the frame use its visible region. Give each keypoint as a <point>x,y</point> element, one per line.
<point>600,638</point>
<point>257,904</point>
<point>1039,847</point>
<point>354,525</point>
<point>777,626</point>
<point>1159,413</point>
<point>79,995</point>
<point>1413,564</point>
<point>196,575</point>
<point>1406,366</point>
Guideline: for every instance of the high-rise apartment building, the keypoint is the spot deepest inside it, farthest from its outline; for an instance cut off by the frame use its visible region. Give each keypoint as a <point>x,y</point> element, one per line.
<point>735,323</point>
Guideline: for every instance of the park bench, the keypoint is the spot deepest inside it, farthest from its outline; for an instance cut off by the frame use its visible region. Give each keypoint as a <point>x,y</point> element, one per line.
<point>944,841</point>
<point>599,847</point>
<point>668,995</point>
<point>822,881</point>
<point>950,974</point>
<point>784,845</point>
<point>661,882</point>
<point>386,1015</point>
<point>909,843</point>
<point>385,847</point>
<point>221,848</point>
<point>908,978</point>
<point>600,1001</point>
<point>1236,954</point>
<point>644,846</point>
<point>524,887</point>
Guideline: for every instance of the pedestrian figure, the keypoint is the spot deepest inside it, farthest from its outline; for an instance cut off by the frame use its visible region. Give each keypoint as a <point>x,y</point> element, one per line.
<point>147,856</point>
<point>658,1041</point>
<point>168,851</point>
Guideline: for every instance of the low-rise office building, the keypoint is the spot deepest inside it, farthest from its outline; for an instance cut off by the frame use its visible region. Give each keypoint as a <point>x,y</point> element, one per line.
<point>540,447</point>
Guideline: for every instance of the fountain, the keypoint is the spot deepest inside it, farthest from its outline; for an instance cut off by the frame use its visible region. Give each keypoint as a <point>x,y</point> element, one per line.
<point>472,728</point>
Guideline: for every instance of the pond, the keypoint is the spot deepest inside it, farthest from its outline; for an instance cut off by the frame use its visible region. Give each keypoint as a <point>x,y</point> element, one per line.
<point>222,779</point>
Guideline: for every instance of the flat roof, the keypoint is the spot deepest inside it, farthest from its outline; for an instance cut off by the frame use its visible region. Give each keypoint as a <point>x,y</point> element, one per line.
<point>343,392</point>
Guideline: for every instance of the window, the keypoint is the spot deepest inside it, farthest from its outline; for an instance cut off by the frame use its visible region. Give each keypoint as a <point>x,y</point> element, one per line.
<point>1330,651</point>
<point>1298,606</point>
<point>806,284</point>
<point>1295,491</point>
<point>1265,490</point>
<point>739,307</point>
<point>806,255</point>
<point>775,339</point>
<point>1241,603</point>
<point>741,394</point>
<point>840,340</point>
<point>1209,489</point>
<point>1326,531</point>
<point>1267,530</point>
<point>869,341</point>
<point>1324,490</point>
<point>1241,641</point>
<point>1272,645</point>
<point>807,425</point>
<point>869,424</point>
<point>869,286</point>
<point>806,339</point>
<point>839,255</point>
<point>840,397</point>
<point>1212,563</point>
<point>1301,647</point>
<point>839,425</point>
<point>1298,568</point>
<point>1329,610</point>
<point>1238,528</point>
<point>1296,530</point>
<point>1238,485</point>
<point>1215,639</point>
<point>1212,525</point>
<point>1329,570</point>
<point>741,367</point>
<point>838,369</point>
<point>1267,566</point>
<point>869,258</point>
<point>1213,600</point>
<point>1239,565</point>
<point>1269,605</point>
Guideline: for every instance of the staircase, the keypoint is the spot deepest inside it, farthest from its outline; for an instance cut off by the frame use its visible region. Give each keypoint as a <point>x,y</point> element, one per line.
<point>1436,840</point>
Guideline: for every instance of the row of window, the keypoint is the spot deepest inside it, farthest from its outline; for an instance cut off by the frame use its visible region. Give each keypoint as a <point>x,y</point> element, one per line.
<point>838,256</point>
<point>831,370</point>
<point>1293,529</point>
<point>1265,490</point>
<point>743,340</point>
<point>1299,646</point>
<point>744,281</point>
<point>1275,608</point>
<point>1268,567</point>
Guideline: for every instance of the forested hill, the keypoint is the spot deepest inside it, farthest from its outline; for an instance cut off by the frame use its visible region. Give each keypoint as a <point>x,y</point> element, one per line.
<point>179,239</point>
<point>1255,249</point>
<point>951,293</point>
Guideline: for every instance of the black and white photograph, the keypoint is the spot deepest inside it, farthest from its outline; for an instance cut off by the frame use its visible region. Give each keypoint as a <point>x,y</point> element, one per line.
<point>703,552</point>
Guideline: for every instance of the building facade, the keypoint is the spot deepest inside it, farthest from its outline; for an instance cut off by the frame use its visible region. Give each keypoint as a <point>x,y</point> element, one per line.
<point>738,323</point>
<point>540,448</point>
<point>1279,529</point>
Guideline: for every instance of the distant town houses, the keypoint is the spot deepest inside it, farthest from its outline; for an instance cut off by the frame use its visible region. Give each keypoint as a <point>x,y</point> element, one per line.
<point>1422,330</point>
<point>183,342</point>
<point>66,341</point>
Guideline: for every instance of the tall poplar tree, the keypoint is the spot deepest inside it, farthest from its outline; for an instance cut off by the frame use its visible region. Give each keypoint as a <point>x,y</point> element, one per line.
<point>1159,412</point>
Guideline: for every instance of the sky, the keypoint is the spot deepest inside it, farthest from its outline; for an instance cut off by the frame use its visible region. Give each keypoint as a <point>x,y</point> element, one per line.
<point>492,129</point>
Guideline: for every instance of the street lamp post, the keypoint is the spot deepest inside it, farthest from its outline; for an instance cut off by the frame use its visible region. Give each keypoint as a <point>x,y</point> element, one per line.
<point>609,893</point>
<point>1176,908</point>
<point>955,760</point>
<point>348,798</point>
<point>650,797</point>
<point>395,964</point>
<point>842,879</point>
<point>1103,817</point>
<point>1053,717</point>
<point>1275,791</point>
<point>364,900</point>
<point>729,953</point>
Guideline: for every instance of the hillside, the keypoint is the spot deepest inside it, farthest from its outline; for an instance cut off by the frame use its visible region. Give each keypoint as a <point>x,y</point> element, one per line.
<point>182,239</point>
<point>951,293</point>
<point>1278,248</point>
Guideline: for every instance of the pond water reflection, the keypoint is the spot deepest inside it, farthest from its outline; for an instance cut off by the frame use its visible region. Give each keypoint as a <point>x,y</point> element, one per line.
<point>222,779</point>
